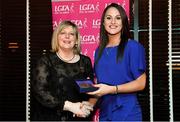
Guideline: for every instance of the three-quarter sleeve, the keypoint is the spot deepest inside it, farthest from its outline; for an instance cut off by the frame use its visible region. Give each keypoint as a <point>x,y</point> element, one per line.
<point>137,59</point>
<point>42,86</point>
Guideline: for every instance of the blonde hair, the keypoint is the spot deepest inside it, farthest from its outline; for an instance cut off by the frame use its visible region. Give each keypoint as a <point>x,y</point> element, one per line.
<point>59,28</point>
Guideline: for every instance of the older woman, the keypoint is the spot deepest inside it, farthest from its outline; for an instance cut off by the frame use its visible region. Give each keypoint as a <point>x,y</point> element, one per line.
<point>53,84</point>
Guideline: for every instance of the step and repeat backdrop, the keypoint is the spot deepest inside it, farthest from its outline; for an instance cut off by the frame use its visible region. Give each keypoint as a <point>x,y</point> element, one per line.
<point>86,14</point>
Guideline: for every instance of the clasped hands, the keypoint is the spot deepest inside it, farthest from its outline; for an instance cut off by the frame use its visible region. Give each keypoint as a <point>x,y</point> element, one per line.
<point>79,109</point>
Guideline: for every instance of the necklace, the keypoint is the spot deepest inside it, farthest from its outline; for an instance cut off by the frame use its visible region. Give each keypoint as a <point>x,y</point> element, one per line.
<point>65,59</point>
<point>107,50</point>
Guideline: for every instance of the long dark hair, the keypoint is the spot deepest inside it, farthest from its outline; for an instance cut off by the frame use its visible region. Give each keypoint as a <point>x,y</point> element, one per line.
<point>125,32</point>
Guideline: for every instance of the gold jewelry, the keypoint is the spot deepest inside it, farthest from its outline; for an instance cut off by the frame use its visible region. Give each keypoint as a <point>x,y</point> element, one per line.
<point>76,45</point>
<point>65,59</point>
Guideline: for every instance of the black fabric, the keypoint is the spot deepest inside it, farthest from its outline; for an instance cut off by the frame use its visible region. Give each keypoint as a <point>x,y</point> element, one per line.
<point>53,82</point>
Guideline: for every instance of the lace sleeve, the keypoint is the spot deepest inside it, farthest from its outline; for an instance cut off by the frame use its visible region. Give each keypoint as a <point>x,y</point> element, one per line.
<point>41,85</point>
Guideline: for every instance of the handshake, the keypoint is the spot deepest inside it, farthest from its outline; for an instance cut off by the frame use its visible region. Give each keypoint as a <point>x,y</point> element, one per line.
<point>79,109</point>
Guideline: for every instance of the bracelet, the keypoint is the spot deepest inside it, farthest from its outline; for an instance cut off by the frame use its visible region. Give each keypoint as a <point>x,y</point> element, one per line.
<point>116,89</point>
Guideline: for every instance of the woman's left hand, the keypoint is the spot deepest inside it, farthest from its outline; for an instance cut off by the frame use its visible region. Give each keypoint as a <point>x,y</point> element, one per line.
<point>103,90</point>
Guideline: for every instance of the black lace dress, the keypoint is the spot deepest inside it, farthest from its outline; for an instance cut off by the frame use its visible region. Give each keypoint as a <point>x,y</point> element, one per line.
<point>53,82</point>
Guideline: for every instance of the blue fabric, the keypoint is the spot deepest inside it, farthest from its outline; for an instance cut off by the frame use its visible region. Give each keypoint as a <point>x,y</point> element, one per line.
<point>108,71</point>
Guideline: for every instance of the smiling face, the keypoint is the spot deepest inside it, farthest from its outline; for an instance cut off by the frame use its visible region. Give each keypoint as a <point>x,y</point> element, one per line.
<point>67,38</point>
<point>113,21</point>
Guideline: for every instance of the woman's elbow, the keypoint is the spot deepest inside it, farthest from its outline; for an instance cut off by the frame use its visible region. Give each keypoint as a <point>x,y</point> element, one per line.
<point>142,81</point>
<point>143,85</point>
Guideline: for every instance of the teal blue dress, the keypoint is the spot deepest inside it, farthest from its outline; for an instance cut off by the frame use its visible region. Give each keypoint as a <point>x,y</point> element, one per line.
<point>120,107</point>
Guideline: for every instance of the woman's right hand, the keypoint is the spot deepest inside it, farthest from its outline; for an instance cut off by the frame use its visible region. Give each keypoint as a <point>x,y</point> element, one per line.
<point>103,90</point>
<point>86,107</point>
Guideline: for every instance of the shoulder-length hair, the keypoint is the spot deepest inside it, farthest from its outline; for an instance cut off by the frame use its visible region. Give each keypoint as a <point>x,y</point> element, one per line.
<point>59,28</point>
<point>125,32</point>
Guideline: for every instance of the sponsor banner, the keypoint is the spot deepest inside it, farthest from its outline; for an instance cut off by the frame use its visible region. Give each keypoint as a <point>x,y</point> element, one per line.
<point>86,14</point>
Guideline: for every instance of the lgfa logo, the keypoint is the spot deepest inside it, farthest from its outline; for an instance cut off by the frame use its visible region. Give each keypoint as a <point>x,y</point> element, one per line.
<point>64,9</point>
<point>81,23</point>
<point>89,8</point>
<point>90,39</point>
<point>96,23</point>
